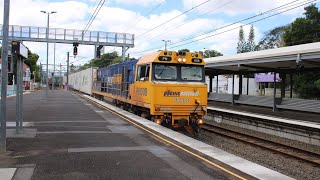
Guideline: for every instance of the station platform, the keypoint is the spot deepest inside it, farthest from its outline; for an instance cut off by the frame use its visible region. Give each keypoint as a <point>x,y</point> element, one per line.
<point>71,136</point>
<point>280,113</point>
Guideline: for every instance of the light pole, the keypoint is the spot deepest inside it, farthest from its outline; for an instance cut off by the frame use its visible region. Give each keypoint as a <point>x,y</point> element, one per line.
<point>4,75</point>
<point>54,65</point>
<point>47,33</point>
<point>165,43</point>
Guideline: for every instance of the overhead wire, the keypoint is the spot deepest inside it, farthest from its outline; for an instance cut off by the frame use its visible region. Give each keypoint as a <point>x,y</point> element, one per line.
<point>151,11</point>
<point>92,12</point>
<point>93,17</point>
<point>173,18</point>
<point>271,10</point>
<point>180,25</point>
<point>244,24</point>
<point>240,21</point>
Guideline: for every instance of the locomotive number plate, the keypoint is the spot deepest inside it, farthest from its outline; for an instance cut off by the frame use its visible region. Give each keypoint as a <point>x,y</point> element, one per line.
<point>181,100</point>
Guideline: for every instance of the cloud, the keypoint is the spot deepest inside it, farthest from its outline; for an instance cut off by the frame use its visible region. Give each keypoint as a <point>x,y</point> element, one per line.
<point>115,18</point>
<point>139,2</point>
<point>237,7</point>
<point>27,12</point>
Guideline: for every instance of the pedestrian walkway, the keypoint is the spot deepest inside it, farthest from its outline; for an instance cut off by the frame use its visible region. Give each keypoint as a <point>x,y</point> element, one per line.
<point>75,139</point>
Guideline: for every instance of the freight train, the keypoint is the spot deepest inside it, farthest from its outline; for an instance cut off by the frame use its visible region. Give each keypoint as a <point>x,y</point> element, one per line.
<point>166,87</point>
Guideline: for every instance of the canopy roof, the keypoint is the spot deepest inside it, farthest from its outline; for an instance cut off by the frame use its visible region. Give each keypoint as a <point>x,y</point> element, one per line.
<point>286,59</point>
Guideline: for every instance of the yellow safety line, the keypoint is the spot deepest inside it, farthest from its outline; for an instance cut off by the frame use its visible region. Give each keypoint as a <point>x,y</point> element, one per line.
<point>165,140</point>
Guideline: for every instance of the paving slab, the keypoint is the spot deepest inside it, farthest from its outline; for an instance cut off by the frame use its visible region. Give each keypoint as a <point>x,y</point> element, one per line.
<point>7,173</point>
<point>75,140</point>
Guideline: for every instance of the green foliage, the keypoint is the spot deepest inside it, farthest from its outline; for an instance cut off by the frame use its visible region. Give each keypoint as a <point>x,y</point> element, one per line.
<point>317,84</point>
<point>241,42</point>
<point>211,53</point>
<point>31,61</point>
<point>105,60</point>
<point>250,45</point>
<point>305,29</point>
<point>37,73</point>
<point>272,39</point>
<point>184,50</point>
<point>307,85</point>
<point>246,46</point>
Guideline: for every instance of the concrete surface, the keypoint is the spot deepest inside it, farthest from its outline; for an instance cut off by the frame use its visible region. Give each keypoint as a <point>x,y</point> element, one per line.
<point>78,141</point>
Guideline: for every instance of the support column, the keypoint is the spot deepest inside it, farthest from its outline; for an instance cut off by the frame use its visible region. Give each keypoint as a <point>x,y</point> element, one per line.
<point>240,84</point>
<point>274,92</point>
<point>19,94</point>
<point>248,84</point>
<point>67,70</point>
<point>95,51</point>
<point>291,84</point>
<point>217,87</point>
<point>210,84</point>
<point>4,75</point>
<point>232,89</point>
<point>61,76</point>
<point>283,85</point>
<point>123,53</point>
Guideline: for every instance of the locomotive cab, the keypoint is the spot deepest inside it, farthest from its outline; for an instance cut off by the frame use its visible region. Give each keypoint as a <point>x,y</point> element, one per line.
<point>171,86</point>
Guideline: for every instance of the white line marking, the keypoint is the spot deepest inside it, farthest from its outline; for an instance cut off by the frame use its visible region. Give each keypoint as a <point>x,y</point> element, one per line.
<point>13,124</point>
<point>271,118</point>
<point>74,132</point>
<point>7,173</point>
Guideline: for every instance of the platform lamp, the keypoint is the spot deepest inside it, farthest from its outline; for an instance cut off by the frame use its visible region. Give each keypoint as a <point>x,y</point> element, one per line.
<point>47,34</point>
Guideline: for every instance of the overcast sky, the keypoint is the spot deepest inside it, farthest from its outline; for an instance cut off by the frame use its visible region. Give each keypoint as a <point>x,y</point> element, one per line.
<point>190,22</point>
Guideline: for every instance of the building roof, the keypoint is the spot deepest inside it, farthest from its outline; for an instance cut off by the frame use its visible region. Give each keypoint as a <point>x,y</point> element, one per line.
<point>292,58</point>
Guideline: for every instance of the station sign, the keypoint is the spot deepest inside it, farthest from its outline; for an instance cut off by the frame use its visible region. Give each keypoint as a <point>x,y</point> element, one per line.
<point>19,49</point>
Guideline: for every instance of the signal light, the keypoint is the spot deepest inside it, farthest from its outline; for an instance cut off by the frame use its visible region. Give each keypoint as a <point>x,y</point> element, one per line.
<point>98,51</point>
<point>75,51</point>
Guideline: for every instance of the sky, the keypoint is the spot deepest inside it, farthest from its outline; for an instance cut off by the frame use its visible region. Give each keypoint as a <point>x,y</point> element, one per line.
<point>191,24</point>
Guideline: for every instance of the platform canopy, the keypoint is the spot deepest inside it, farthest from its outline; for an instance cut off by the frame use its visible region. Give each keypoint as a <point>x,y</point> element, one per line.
<point>290,59</point>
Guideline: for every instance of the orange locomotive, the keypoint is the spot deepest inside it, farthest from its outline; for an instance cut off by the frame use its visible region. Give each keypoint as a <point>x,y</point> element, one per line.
<point>166,87</point>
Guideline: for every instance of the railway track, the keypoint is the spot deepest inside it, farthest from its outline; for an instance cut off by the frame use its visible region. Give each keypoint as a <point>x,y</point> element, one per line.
<point>286,150</point>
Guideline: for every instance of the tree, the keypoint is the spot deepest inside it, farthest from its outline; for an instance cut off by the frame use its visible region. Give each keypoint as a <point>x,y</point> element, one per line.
<point>184,50</point>
<point>211,53</point>
<point>250,45</point>
<point>305,30</point>
<point>272,39</point>
<point>241,42</point>
<point>317,83</point>
<point>105,60</point>
<point>307,85</point>
<point>31,61</point>
<point>37,73</point>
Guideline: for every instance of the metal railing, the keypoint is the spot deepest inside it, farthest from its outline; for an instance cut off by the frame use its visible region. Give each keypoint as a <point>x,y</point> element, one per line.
<point>59,35</point>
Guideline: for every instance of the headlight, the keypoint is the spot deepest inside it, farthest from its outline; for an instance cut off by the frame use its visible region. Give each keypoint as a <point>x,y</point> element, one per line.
<point>200,121</point>
<point>184,60</point>
<point>179,60</point>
